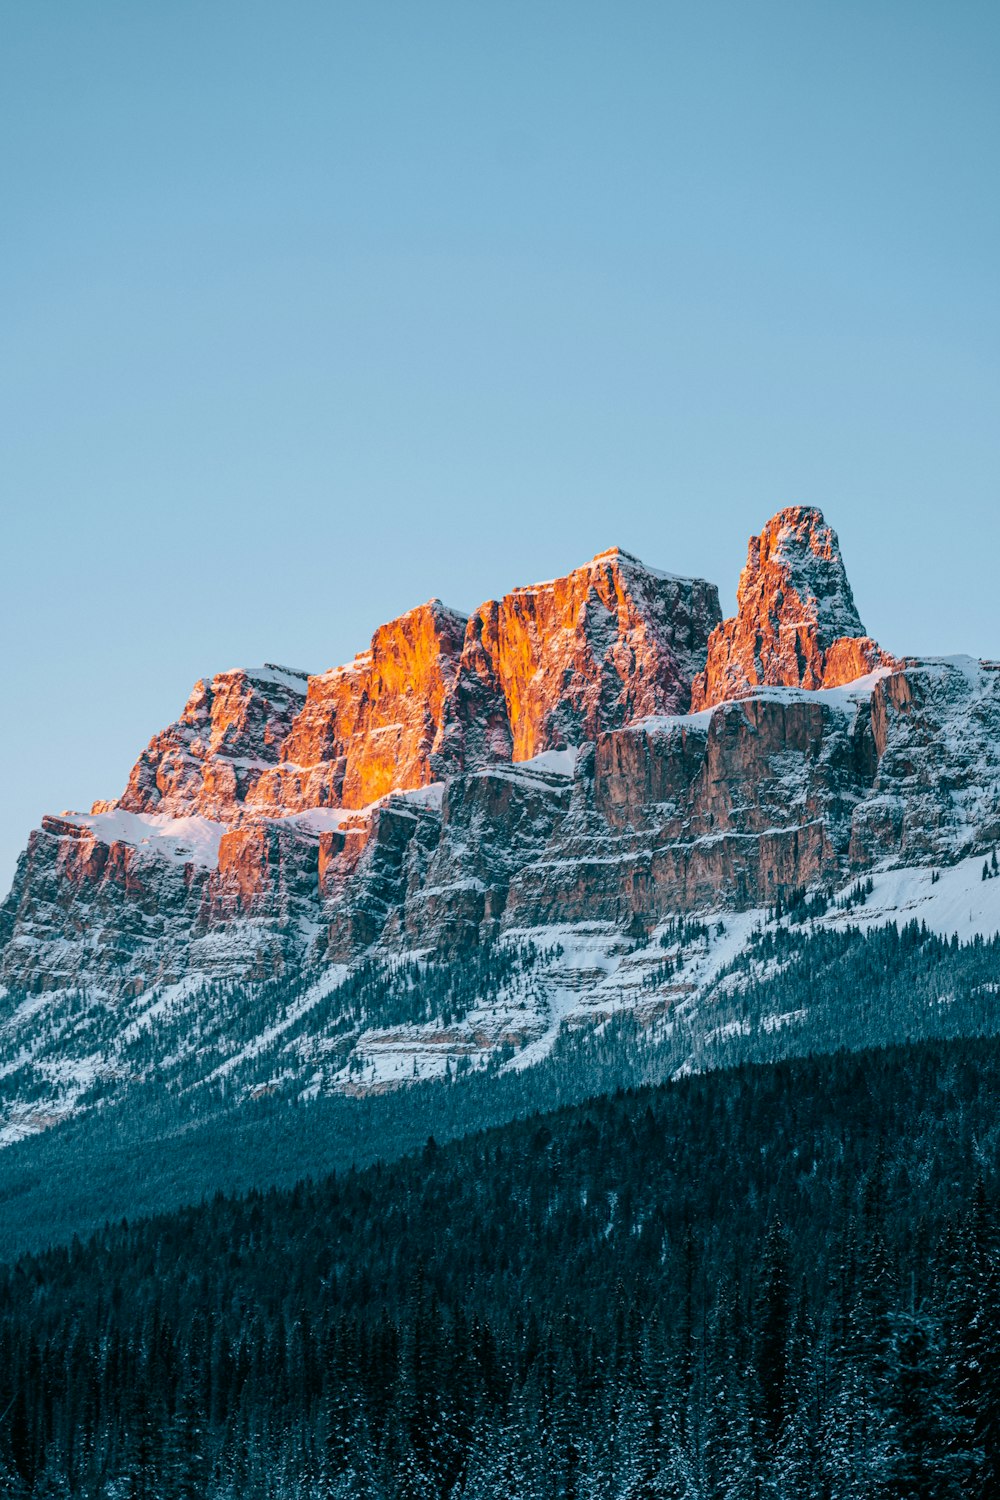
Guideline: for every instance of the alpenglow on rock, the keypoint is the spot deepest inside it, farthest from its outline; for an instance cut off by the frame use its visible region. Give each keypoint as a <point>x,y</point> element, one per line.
<point>796,623</point>
<point>555,663</point>
<point>526,789</point>
<point>533,766</point>
<point>207,762</point>
<point>546,666</point>
<point>279,799</point>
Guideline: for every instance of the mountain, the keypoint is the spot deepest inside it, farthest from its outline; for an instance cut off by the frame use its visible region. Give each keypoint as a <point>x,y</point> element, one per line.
<point>285,817</point>
<point>555,784</point>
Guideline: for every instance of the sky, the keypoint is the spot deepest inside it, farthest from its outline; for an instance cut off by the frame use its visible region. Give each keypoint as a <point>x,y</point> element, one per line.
<point>314,311</point>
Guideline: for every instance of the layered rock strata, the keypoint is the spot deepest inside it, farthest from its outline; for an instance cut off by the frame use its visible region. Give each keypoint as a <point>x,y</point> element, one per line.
<point>528,768</point>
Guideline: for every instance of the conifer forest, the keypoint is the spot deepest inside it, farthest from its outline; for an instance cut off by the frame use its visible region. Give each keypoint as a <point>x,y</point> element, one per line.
<point>771,1279</point>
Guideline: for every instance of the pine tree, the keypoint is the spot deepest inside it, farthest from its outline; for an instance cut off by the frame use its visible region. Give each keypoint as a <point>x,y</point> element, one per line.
<point>184,1456</point>
<point>975,1309</point>
<point>772,1333</point>
<point>925,1460</point>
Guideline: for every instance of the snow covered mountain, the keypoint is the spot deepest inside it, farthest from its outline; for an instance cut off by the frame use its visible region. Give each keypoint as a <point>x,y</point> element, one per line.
<point>553,784</point>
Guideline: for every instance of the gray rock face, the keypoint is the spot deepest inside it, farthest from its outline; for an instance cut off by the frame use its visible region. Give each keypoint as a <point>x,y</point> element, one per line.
<point>935,796</point>
<point>729,808</point>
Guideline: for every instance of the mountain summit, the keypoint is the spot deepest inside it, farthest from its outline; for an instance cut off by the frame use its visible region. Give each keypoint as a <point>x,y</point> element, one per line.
<point>546,666</point>
<point>796,623</point>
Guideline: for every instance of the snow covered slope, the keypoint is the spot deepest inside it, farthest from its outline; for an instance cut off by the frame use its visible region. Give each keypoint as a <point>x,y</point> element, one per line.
<point>390,1021</point>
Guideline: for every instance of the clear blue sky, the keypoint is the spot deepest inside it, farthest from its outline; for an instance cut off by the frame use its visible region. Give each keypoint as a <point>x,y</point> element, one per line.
<point>313,311</point>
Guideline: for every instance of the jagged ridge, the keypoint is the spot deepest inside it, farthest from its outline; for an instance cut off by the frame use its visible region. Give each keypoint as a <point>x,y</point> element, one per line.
<point>530,768</point>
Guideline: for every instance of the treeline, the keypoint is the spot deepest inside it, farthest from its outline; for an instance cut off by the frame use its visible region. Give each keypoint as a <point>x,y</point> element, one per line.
<point>797,989</point>
<point>776,1280</point>
<point>163,1138</point>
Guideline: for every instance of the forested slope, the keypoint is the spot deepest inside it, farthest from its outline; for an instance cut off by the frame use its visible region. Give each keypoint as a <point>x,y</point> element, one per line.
<point>796,986</point>
<point>773,1279</point>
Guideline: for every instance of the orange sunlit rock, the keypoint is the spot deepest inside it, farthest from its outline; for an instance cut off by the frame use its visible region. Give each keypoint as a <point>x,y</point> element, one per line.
<point>374,725</point>
<point>796,623</point>
<point>543,667</point>
<point>395,805</point>
<point>611,642</point>
<point>233,725</point>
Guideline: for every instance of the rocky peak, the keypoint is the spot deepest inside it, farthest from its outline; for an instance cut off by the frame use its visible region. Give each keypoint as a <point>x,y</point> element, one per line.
<point>258,835</point>
<point>796,623</point>
<point>610,642</point>
<point>231,728</point>
<point>546,665</point>
<point>375,725</point>
<point>799,553</point>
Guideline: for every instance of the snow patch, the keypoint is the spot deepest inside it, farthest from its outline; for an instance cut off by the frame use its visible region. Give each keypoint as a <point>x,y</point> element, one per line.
<point>559,762</point>
<point>189,840</point>
<point>286,677</point>
<point>953,899</point>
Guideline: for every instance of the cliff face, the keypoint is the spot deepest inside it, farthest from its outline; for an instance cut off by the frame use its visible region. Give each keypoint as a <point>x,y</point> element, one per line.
<point>283,817</point>
<point>726,808</point>
<point>796,623</point>
<point>531,767</point>
<point>375,725</point>
<point>935,795</point>
<point>538,669</point>
<point>231,729</point>
<point>608,644</point>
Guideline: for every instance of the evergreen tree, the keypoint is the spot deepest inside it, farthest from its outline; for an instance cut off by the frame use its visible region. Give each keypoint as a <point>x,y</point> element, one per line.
<point>925,1460</point>
<point>772,1334</point>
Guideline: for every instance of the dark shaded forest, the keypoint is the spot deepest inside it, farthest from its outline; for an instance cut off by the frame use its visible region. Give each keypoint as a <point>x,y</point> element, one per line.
<point>778,1279</point>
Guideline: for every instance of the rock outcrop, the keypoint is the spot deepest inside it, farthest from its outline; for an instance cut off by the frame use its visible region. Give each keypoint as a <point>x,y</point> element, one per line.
<point>231,729</point>
<point>374,726</point>
<point>731,807</point>
<point>541,668</point>
<point>796,623</point>
<point>935,793</point>
<point>555,664</point>
<point>286,817</point>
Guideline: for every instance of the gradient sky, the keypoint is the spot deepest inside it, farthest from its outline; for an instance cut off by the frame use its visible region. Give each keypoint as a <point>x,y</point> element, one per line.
<point>313,311</point>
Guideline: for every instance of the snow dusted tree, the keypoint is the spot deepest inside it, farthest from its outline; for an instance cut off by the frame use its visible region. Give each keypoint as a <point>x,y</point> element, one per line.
<point>927,1458</point>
